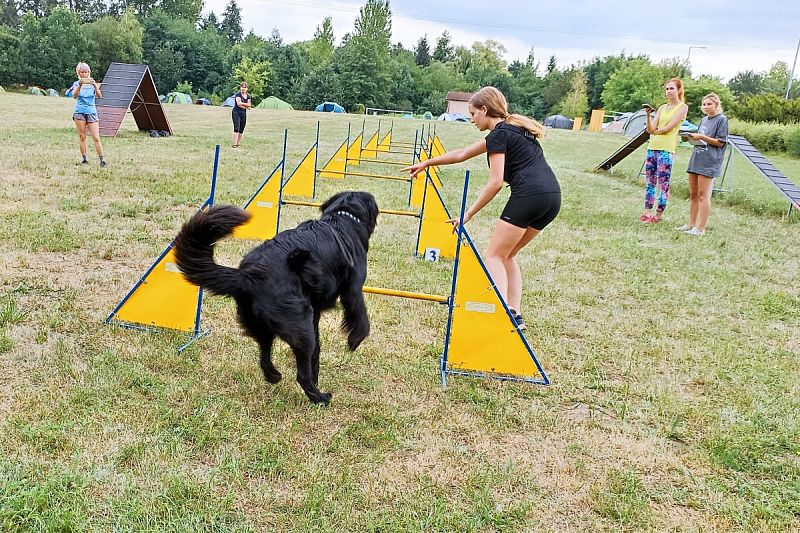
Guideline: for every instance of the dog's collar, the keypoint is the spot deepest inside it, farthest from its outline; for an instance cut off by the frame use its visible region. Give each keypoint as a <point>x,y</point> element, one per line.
<point>351,215</point>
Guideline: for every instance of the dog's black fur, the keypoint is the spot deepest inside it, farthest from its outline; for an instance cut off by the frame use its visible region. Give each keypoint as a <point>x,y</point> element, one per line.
<point>282,286</point>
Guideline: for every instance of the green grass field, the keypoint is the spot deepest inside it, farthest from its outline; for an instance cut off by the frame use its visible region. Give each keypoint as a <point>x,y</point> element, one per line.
<point>674,360</point>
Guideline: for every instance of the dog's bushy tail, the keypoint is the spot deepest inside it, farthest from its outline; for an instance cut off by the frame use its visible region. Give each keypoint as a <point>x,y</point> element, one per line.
<point>194,249</point>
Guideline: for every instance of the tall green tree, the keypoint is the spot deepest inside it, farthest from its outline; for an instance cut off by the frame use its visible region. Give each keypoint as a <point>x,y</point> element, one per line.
<point>746,82</point>
<point>777,78</point>
<point>632,85</point>
<point>576,102</point>
<point>321,47</point>
<point>444,48</point>
<point>256,74</point>
<point>231,25</point>
<point>50,47</point>
<point>487,66</point>
<point>363,64</point>
<point>114,39</point>
<point>10,64</point>
<point>597,71</point>
<point>695,90</point>
<point>422,52</point>
<point>374,23</point>
<point>9,13</point>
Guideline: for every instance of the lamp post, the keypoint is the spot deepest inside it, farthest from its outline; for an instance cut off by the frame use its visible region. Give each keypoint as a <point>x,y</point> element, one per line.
<point>791,76</point>
<point>689,53</point>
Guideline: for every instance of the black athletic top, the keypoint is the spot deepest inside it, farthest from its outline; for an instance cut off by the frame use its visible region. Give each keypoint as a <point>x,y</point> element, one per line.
<point>236,108</point>
<point>526,170</point>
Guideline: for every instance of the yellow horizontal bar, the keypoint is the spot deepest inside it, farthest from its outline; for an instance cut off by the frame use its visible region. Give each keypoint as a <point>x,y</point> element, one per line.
<point>383,211</point>
<point>406,163</point>
<point>406,294</point>
<point>366,175</point>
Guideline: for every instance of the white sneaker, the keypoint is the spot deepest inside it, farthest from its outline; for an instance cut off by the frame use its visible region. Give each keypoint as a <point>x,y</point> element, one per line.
<point>695,231</point>
<point>685,227</point>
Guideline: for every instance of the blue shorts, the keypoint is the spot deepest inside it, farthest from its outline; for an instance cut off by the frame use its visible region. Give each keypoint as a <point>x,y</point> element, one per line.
<point>85,117</point>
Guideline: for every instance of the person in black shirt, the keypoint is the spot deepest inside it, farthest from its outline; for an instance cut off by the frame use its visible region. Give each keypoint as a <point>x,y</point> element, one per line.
<point>239,113</point>
<point>515,157</point>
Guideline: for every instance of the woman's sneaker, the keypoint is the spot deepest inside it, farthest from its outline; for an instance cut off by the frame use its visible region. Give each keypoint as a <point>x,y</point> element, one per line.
<point>518,319</point>
<point>685,227</point>
<point>695,231</point>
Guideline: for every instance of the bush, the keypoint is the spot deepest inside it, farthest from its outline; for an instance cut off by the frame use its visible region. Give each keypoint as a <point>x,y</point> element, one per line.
<point>793,143</point>
<point>769,108</point>
<point>768,136</point>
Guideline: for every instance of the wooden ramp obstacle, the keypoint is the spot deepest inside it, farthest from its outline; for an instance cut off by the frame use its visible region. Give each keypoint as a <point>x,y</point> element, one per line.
<point>767,170</point>
<point>627,149</point>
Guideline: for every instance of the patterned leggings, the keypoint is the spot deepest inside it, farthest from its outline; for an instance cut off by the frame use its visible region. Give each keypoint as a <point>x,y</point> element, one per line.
<point>658,170</point>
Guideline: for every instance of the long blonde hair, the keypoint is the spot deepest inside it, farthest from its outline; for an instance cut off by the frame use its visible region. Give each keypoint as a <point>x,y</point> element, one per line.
<point>497,106</point>
<point>714,97</point>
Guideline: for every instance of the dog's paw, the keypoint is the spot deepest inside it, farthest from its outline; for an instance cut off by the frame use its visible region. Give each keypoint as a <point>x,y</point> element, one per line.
<point>273,377</point>
<point>323,398</point>
<point>354,341</point>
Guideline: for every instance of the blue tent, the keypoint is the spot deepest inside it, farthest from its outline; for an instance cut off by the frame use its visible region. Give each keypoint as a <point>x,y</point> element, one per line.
<point>329,107</point>
<point>229,101</point>
<point>203,101</point>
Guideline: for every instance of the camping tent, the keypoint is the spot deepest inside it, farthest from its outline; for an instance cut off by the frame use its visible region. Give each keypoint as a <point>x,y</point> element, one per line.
<point>1,89</point>
<point>427,115</point>
<point>203,101</point>
<point>558,122</point>
<point>52,92</point>
<point>229,102</point>
<point>35,90</point>
<point>178,98</point>
<point>273,102</point>
<point>329,107</point>
<point>453,117</point>
<point>635,124</point>
<point>162,98</point>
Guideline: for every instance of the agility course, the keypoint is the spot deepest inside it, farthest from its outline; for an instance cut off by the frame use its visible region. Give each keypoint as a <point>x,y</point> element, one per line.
<point>481,337</point>
<point>670,359</point>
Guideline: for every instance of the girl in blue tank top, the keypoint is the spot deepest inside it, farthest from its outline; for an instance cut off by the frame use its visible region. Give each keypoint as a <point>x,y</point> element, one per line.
<point>85,91</point>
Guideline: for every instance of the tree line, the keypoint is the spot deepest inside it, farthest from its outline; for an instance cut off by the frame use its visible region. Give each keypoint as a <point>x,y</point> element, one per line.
<point>41,41</point>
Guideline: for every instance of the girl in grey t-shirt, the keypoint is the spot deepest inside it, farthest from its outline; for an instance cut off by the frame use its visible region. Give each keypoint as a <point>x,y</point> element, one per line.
<point>705,163</point>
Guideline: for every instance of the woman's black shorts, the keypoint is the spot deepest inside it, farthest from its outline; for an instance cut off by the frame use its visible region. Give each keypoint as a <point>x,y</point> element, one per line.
<point>535,211</point>
<point>239,122</point>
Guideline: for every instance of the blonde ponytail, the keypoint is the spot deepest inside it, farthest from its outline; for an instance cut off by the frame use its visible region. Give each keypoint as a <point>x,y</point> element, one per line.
<point>497,106</point>
<point>534,127</point>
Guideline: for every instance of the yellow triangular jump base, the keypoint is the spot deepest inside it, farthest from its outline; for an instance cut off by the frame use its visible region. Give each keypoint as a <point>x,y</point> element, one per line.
<point>162,298</point>
<point>302,181</point>
<point>435,239</point>
<point>265,209</point>
<point>482,338</point>
<point>370,149</point>
<point>354,151</point>
<point>337,164</point>
<point>385,143</point>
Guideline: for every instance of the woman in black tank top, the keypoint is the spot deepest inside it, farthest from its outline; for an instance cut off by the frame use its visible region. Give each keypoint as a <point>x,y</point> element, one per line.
<point>515,157</point>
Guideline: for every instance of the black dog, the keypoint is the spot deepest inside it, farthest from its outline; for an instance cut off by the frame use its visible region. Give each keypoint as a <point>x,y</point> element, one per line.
<point>282,286</point>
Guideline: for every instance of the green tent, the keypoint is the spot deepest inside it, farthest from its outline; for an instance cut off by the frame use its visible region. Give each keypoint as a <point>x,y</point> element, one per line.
<point>274,102</point>
<point>36,91</point>
<point>1,89</point>
<point>52,92</point>
<point>178,98</point>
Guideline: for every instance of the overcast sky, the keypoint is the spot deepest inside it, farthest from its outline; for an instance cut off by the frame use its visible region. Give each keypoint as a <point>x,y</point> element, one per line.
<point>736,35</point>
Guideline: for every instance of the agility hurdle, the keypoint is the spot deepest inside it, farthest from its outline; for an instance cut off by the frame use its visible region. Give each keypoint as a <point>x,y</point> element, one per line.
<point>302,182</point>
<point>162,299</point>
<point>481,336</point>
